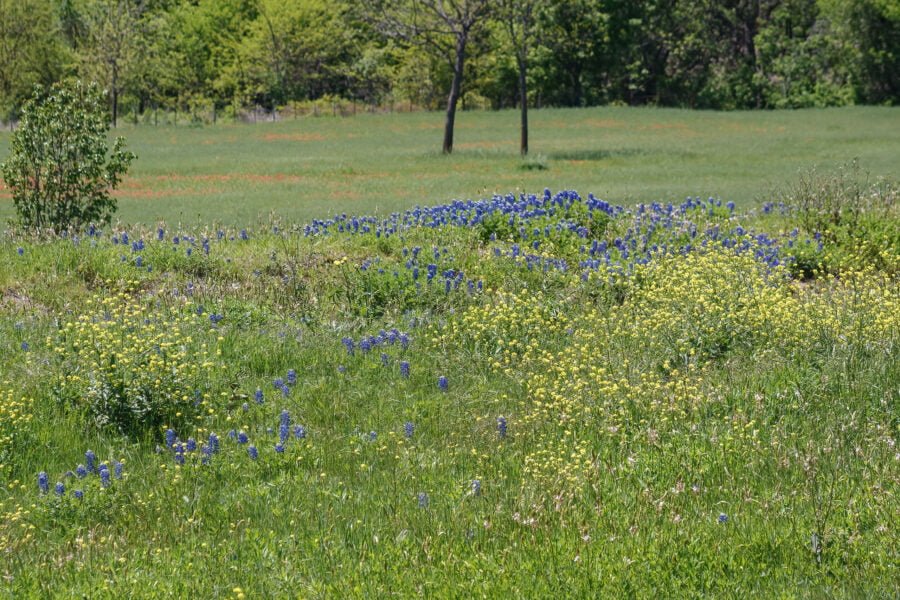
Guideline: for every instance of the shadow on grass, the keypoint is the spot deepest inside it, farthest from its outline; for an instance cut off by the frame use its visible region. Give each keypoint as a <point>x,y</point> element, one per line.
<point>596,154</point>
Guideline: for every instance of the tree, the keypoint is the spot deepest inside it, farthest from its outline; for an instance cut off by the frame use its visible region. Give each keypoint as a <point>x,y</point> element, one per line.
<point>518,17</point>
<point>58,169</point>
<point>444,26</point>
<point>30,50</point>
<point>110,53</point>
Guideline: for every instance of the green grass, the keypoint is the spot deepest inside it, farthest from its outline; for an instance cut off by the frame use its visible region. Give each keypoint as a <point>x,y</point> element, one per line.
<point>238,174</point>
<point>640,408</point>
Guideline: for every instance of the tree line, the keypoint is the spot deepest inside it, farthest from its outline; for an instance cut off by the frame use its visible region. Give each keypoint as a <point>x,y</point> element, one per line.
<point>718,54</point>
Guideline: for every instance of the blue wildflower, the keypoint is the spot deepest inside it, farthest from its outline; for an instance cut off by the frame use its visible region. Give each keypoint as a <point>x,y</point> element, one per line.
<point>60,488</point>
<point>723,518</point>
<point>245,407</point>
<point>191,444</point>
<point>104,475</point>
<point>242,438</point>
<point>476,487</point>
<point>170,438</point>
<point>279,448</point>
<point>442,383</point>
<point>79,494</point>
<point>501,426</point>
<point>348,344</point>
<point>299,432</point>
<point>408,429</point>
<point>213,443</point>
<point>25,346</point>
<point>373,436</point>
<point>89,458</point>
<point>423,500</point>
<point>258,396</point>
<point>291,377</point>
<point>117,469</point>
<point>404,369</point>
<point>43,482</point>
<point>20,251</point>
<point>81,472</point>
<point>253,452</point>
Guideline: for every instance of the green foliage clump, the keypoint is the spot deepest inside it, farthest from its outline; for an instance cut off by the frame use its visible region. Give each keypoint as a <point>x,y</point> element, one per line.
<point>131,367</point>
<point>60,169</point>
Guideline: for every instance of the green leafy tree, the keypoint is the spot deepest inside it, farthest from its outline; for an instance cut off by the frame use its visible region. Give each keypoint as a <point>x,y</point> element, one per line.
<point>60,169</point>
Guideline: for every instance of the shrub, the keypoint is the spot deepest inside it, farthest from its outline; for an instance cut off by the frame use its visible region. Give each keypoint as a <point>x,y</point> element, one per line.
<point>132,367</point>
<point>60,169</point>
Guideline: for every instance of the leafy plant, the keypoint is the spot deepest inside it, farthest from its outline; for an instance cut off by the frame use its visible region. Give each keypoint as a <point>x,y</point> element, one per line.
<point>61,169</point>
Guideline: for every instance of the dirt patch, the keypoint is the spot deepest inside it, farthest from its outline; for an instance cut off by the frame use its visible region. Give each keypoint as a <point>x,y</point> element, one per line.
<point>293,137</point>
<point>604,123</point>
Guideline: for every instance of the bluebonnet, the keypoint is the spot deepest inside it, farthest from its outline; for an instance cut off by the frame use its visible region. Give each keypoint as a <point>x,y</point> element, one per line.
<point>373,436</point>
<point>170,438</point>
<point>117,469</point>
<point>299,432</point>
<point>501,426</point>
<point>279,448</point>
<point>423,500</point>
<point>244,235</point>
<point>79,494</point>
<point>285,391</point>
<point>81,472</point>
<point>365,345</point>
<point>43,482</point>
<point>404,369</point>
<point>476,487</point>
<point>191,444</point>
<point>253,452</point>
<point>60,488</point>
<point>215,318</point>
<point>442,383</point>
<point>245,407</point>
<point>232,434</point>
<point>104,475</point>
<point>291,377</point>
<point>160,234</point>
<point>213,443</point>
<point>242,438</point>
<point>408,429</point>
<point>404,341</point>
<point>89,458</point>
<point>342,369</point>
<point>348,344</point>
<point>723,518</point>
<point>25,346</point>
<point>258,396</point>
<point>384,359</point>
<point>206,451</point>
<point>284,426</point>
<point>20,251</point>
<point>278,383</point>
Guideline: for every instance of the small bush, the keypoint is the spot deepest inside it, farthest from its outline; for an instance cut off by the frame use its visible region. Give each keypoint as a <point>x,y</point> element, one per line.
<point>132,367</point>
<point>58,169</point>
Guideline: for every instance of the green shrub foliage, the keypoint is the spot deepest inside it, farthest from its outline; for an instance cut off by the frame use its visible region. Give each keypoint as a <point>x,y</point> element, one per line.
<point>60,169</point>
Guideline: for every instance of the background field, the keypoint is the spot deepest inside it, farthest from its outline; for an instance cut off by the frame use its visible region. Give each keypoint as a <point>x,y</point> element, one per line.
<point>372,163</point>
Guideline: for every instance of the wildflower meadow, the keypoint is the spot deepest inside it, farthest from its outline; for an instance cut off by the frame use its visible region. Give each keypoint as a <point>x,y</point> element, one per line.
<point>529,395</point>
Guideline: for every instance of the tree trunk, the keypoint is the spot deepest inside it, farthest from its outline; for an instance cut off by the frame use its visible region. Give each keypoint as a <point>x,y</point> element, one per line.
<point>523,103</point>
<point>115,96</point>
<point>454,93</point>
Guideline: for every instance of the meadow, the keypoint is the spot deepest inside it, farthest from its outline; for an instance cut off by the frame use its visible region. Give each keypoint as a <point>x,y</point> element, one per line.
<point>543,394</point>
<point>238,174</point>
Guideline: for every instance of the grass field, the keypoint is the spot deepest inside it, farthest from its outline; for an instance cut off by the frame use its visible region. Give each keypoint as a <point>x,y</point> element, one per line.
<point>525,396</point>
<point>374,164</point>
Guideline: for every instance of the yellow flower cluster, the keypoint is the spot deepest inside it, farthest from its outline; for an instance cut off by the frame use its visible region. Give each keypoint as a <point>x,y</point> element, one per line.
<point>15,413</point>
<point>134,365</point>
<point>636,368</point>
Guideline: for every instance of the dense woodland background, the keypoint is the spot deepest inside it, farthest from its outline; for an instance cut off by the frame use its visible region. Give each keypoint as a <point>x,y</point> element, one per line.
<point>225,55</point>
